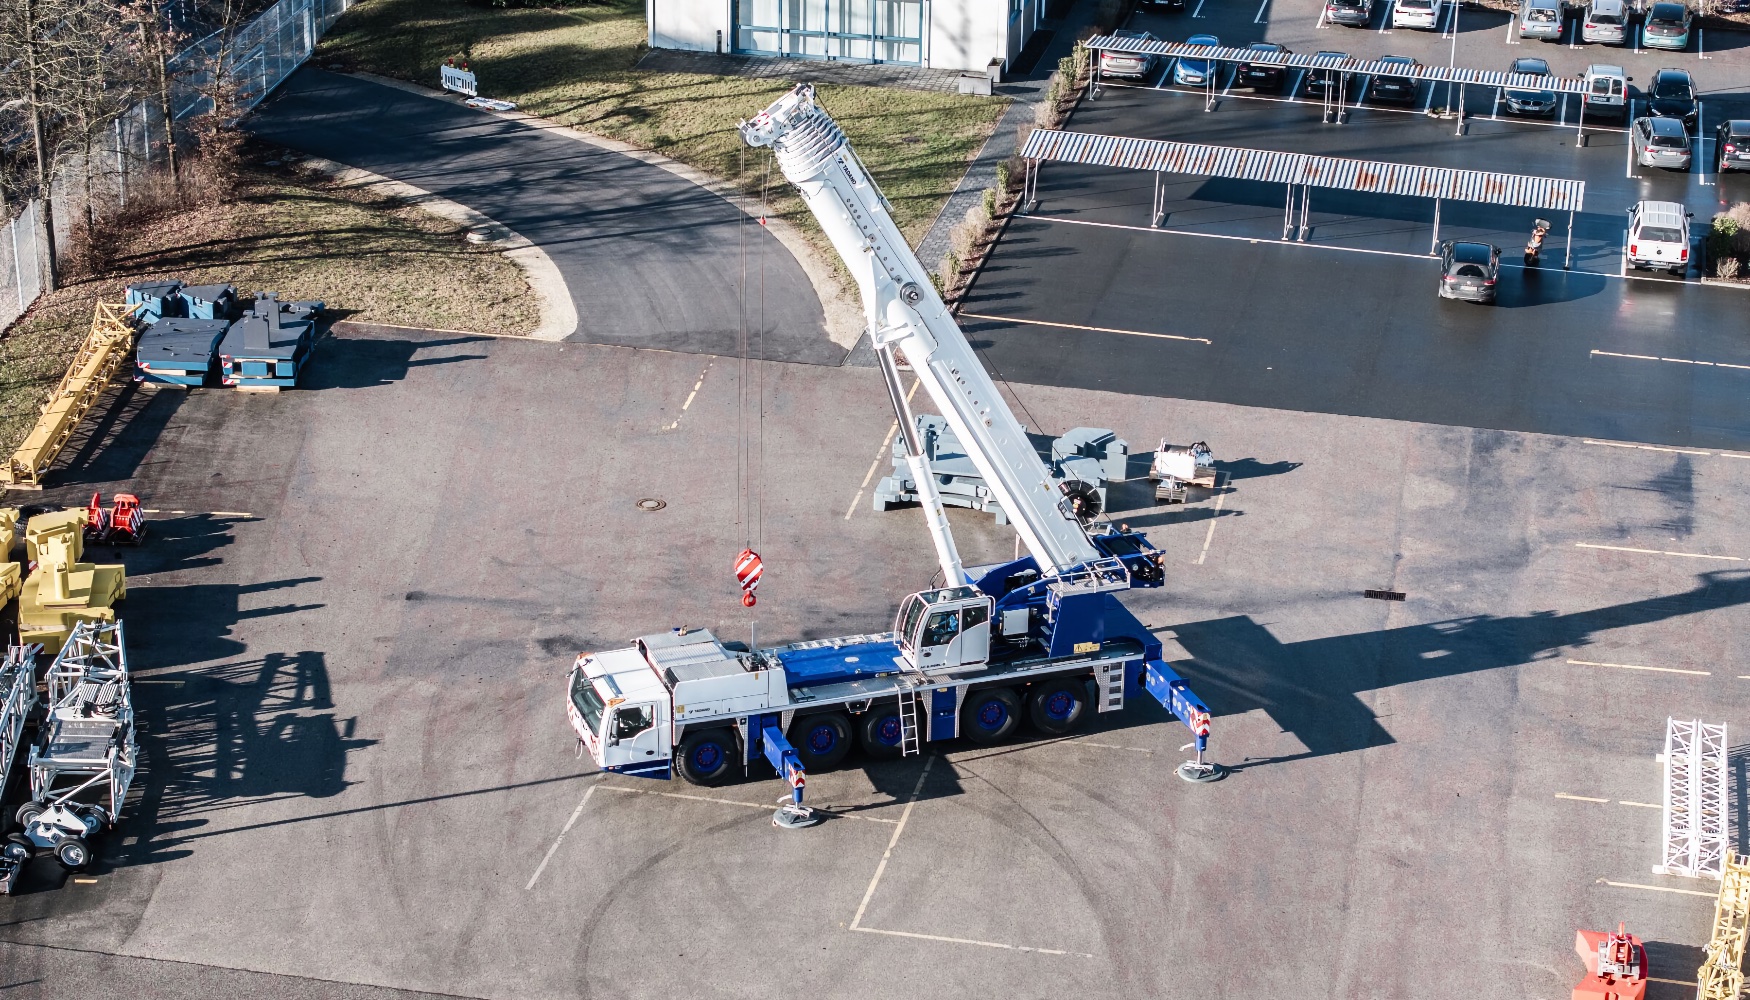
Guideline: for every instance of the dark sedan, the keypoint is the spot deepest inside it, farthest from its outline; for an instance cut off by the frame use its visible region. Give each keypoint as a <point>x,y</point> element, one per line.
<point>1263,76</point>
<point>1672,95</point>
<point>1469,271</point>
<point>1530,102</point>
<point>1318,81</point>
<point>1732,145</point>
<point>1389,89</point>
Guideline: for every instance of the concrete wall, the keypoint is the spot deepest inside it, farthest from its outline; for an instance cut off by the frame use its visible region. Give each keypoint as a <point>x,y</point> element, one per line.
<point>688,24</point>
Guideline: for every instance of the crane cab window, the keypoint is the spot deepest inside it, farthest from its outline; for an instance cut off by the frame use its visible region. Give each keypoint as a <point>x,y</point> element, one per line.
<point>632,720</point>
<point>943,627</point>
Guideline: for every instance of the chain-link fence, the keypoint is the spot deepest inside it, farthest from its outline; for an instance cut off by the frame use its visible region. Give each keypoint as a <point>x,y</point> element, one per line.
<point>132,156</point>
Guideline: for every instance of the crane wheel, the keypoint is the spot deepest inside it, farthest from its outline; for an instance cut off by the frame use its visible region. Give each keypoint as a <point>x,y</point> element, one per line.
<point>73,853</point>
<point>990,715</point>
<point>707,757</point>
<point>29,812</point>
<point>821,740</point>
<point>880,731</point>
<point>1057,706</point>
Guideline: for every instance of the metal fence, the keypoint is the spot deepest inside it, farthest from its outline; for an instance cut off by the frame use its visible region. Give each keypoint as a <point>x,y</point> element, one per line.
<point>133,155</point>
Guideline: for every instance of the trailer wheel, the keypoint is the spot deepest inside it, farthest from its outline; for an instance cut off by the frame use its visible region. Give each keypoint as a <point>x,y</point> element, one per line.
<point>881,732</point>
<point>707,755</point>
<point>17,848</point>
<point>29,812</point>
<point>822,740</point>
<point>73,853</point>
<point>990,715</point>
<point>1057,706</point>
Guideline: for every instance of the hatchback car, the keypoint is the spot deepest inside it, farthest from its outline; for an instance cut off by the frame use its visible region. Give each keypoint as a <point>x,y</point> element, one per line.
<point>1319,81</point>
<point>1606,23</point>
<point>1530,102</point>
<point>1661,142</point>
<point>1541,19</point>
<point>1732,145</point>
<point>1424,14</point>
<point>1130,64</point>
<point>1195,72</point>
<point>1672,95</point>
<point>1469,271</point>
<point>1667,26</point>
<point>1263,76</point>
<point>1353,13</point>
<point>1658,237</point>
<point>1390,89</point>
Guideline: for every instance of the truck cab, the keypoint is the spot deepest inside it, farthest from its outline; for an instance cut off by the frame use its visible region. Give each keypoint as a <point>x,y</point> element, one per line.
<point>944,631</point>
<point>620,711</point>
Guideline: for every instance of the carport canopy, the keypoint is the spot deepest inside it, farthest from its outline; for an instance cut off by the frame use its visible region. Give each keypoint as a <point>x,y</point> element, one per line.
<point>1358,67</point>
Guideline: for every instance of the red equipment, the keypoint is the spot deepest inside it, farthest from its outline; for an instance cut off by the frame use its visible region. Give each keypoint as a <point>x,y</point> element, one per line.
<point>123,524</point>
<point>748,568</point>
<point>1616,965</point>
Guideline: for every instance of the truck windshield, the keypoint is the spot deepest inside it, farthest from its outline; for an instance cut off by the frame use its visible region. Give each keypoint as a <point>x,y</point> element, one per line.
<point>589,704</point>
<point>909,613</point>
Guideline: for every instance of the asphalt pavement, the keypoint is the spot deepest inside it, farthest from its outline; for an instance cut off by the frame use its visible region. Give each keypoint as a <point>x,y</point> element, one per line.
<point>651,260</point>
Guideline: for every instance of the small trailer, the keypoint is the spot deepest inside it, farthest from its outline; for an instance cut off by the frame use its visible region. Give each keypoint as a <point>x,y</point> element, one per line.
<point>1177,467</point>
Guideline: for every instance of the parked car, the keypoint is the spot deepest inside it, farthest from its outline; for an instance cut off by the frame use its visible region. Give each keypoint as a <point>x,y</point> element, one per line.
<point>1530,102</point>
<point>1672,95</point>
<point>1541,19</point>
<point>1353,13</point>
<point>1469,271</point>
<point>1263,76</point>
<point>1606,23</point>
<point>1667,26</point>
<point>1661,142</point>
<point>1195,72</point>
<point>1732,145</point>
<point>1658,237</point>
<point>1162,6</point>
<point>1318,81</point>
<point>1606,91</point>
<point>1424,14</point>
<point>1128,63</point>
<point>1394,89</point>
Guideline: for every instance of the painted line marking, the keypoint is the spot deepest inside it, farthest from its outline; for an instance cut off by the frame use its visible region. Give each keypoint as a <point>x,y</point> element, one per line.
<point>92,881</point>
<point>210,513</point>
<point>575,813</point>
<point>899,828</point>
<point>1678,361</point>
<point>1659,888</point>
<point>1639,805</point>
<point>1093,329</point>
<point>1579,798</point>
<point>1636,666</point>
<point>1385,22</point>
<point>1262,7</point>
<point>1654,447</point>
<point>733,802</point>
<point>981,944</point>
<point>1199,11</point>
<point>885,449</point>
<point>690,397</point>
<point>1656,552</point>
<point>1673,982</point>
<point>1209,535</point>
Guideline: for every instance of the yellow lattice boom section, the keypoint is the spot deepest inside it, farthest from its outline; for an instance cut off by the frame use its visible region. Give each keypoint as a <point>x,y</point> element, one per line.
<point>104,351</point>
<point>1721,976</point>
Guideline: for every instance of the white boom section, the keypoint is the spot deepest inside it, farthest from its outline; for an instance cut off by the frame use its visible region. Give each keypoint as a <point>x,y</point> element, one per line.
<point>904,312</point>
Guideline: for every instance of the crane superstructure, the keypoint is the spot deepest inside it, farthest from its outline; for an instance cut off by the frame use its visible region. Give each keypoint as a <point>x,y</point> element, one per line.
<point>1042,637</point>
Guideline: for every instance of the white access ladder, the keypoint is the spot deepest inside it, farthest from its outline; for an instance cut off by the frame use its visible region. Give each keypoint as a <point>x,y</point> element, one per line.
<point>910,705</point>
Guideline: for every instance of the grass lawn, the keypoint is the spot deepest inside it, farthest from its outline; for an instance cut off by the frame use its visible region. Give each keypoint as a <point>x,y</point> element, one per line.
<point>573,63</point>
<point>368,257</point>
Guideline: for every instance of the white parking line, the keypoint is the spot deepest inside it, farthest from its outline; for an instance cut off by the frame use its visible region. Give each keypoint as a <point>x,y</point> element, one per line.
<point>882,452</point>
<point>1323,10</point>
<point>690,397</point>
<point>1209,536</point>
<point>1262,7</point>
<point>1636,666</point>
<point>1091,329</point>
<point>1581,798</point>
<point>1654,447</point>
<point>1495,114</point>
<point>981,944</point>
<point>1385,22</point>
<point>732,802</point>
<point>1428,100</point>
<point>1656,552</point>
<point>1199,11</point>
<point>1679,361</point>
<point>561,838</point>
<point>1659,888</point>
<point>1512,35</point>
<point>904,816</point>
<point>1294,88</point>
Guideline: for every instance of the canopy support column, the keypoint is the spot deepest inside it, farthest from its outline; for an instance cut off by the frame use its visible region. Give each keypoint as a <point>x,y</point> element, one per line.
<point>1436,247</point>
<point>1580,140</point>
<point>1154,219</point>
<point>1568,244</point>
<point>1288,213</point>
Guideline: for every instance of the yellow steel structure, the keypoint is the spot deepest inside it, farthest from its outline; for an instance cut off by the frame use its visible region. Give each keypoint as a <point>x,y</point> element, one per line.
<point>62,591</point>
<point>1721,976</point>
<point>103,353</point>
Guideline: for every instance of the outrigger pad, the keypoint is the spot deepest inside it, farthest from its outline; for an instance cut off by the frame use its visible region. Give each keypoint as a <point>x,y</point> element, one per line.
<point>1201,773</point>
<point>791,816</point>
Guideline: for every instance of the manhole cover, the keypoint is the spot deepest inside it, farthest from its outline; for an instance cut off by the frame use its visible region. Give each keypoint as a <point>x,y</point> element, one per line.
<point>651,503</point>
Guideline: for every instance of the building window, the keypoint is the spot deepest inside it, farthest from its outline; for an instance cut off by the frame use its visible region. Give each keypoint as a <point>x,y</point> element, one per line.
<point>852,30</point>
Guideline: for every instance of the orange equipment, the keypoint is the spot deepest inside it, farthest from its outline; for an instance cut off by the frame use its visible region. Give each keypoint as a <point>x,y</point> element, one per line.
<point>1616,965</point>
<point>122,524</point>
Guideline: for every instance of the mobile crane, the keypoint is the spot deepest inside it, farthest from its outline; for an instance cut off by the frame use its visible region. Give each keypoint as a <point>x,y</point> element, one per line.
<point>1043,636</point>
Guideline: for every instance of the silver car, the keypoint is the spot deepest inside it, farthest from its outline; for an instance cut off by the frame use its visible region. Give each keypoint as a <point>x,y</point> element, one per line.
<point>1661,142</point>
<point>1606,23</point>
<point>1530,102</point>
<point>1132,64</point>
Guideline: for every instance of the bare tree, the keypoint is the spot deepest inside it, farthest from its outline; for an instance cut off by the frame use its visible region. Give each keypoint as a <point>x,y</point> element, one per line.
<point>158,41</point>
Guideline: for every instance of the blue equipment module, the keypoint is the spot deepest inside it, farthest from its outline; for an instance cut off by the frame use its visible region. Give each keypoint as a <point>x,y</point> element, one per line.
<point>269,345</point>
<point>158,299</point>
<point>178,351</point>
<point>211,301</point>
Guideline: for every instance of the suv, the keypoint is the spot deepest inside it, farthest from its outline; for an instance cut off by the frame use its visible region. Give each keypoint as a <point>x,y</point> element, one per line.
<point>1661,142</point>
<point>1672,95</point>
<point>1732,145</point>
<point>1387,88</point>
<point>1468,271</point>
<point>1658,237</point>
<point>1606,22</point>
<point>1423,14</point>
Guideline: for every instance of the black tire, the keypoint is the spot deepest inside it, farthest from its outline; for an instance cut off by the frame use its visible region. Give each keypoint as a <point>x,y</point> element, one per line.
<point>707,756</point>
<point>73,853</point>
<point>990,715</point>
<point>29,811</point>
<point>821,740</point>
<point>1057,706</point>
<point>879,731</point>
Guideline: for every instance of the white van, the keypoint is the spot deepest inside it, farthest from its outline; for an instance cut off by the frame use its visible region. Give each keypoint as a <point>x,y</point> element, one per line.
<point>1606,91</point>
<point>1658,237</point>
<point>1423,14</point>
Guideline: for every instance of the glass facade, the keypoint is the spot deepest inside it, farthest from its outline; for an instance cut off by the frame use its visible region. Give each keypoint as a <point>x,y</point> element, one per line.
<point>888,31</point>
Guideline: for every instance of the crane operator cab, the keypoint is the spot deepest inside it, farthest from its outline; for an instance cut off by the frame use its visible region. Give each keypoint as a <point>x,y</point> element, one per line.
<point>944,631</point>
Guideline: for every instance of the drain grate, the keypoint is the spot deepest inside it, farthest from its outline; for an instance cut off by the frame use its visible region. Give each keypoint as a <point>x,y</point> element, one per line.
<point>651,503</point>
<point>1384,595</point>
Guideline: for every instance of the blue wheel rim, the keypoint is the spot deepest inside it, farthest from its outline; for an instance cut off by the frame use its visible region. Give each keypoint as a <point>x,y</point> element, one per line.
<point>822,738</point>
<point>1060,705</point>
<point>887,731</point>
<point>991,715</point>
<point>707,757</point>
